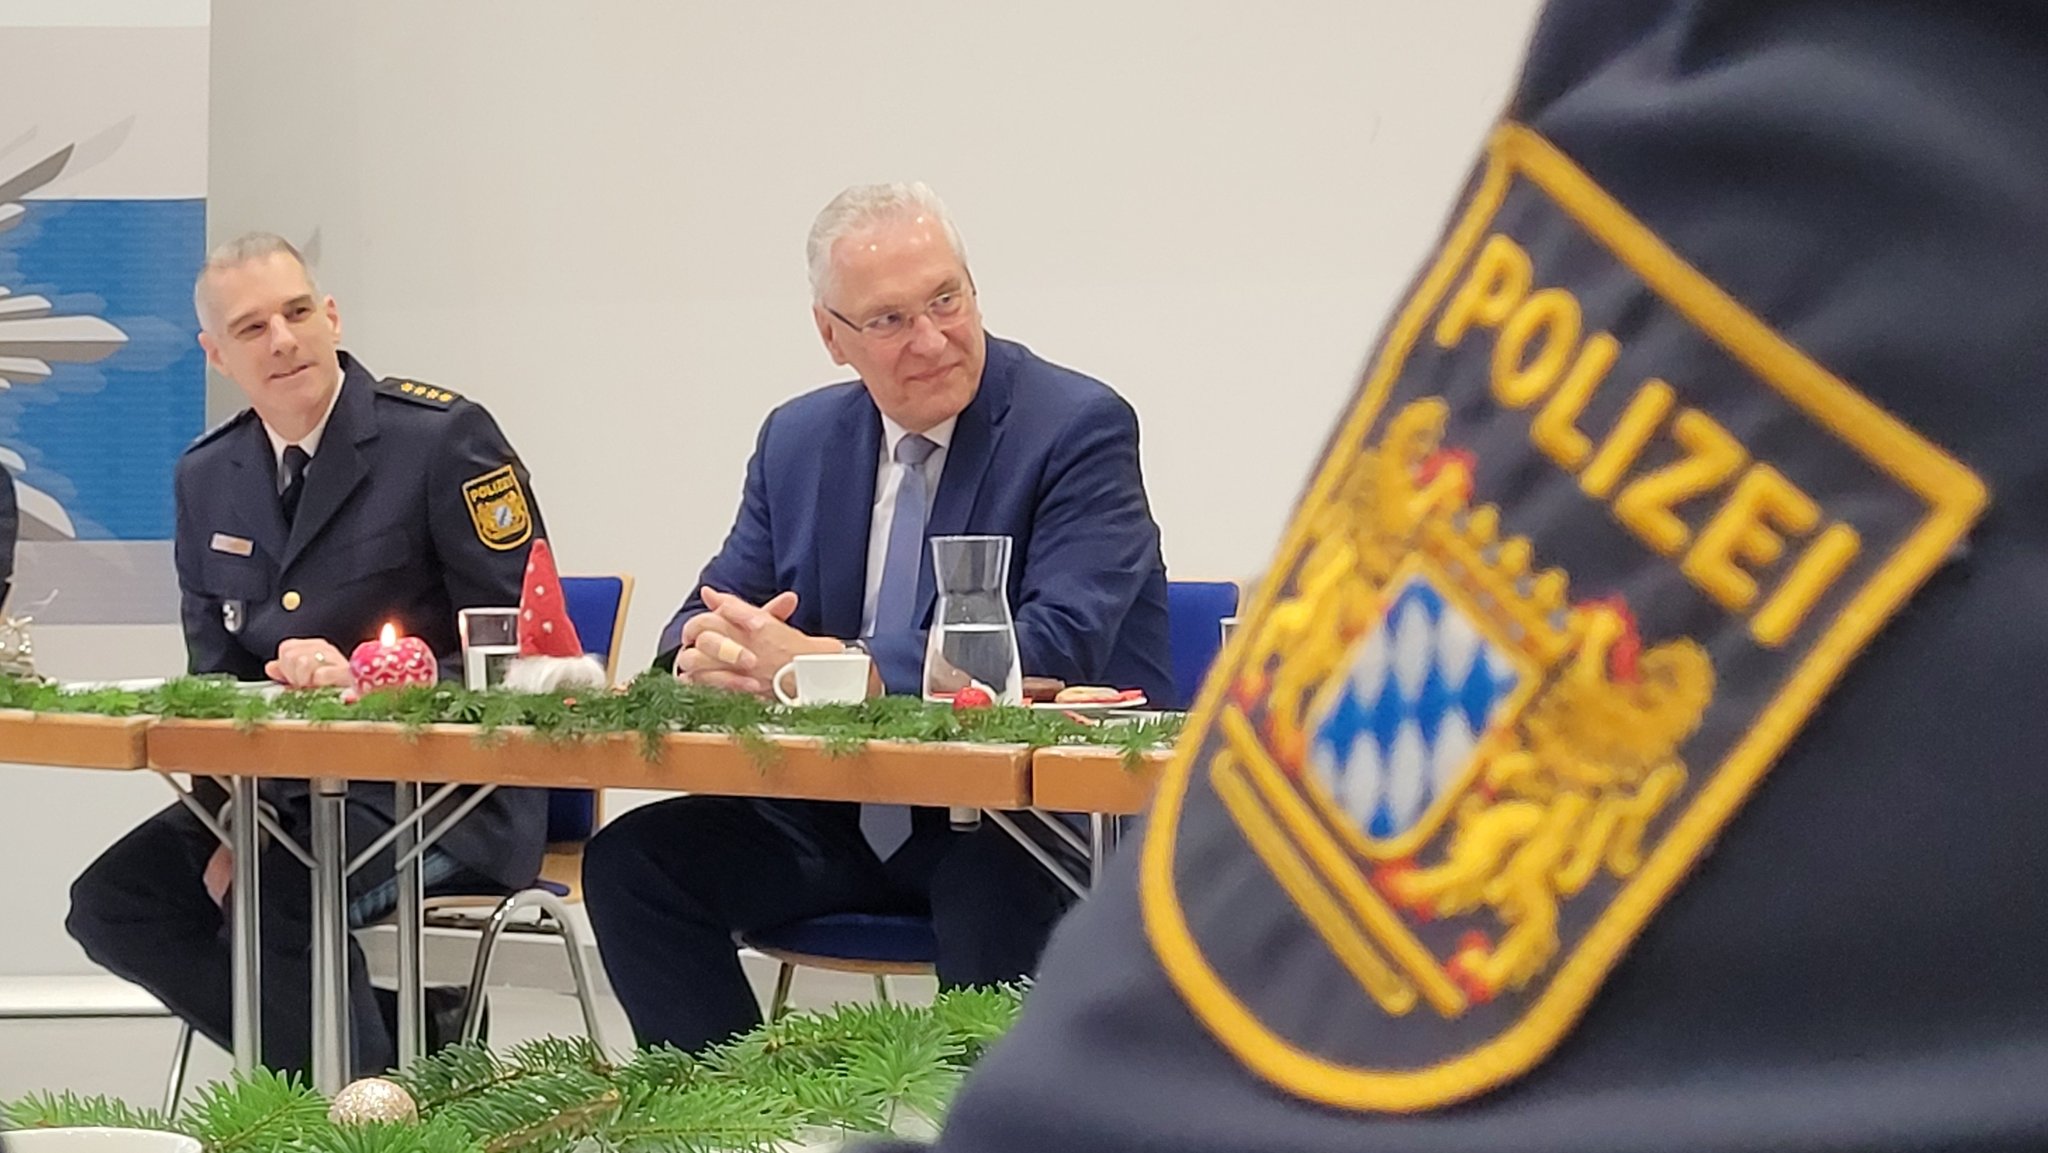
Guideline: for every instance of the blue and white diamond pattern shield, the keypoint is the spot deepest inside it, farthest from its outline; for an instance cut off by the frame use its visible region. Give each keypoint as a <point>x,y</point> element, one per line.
<point>1421,689</point>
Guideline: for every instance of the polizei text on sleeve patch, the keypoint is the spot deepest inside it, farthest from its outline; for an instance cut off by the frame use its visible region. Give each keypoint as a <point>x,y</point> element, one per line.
<point>497,506</point>
<point>1589,550</point>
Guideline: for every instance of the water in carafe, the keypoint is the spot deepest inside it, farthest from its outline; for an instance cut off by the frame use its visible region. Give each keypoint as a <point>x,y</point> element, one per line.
<point>973,638</point>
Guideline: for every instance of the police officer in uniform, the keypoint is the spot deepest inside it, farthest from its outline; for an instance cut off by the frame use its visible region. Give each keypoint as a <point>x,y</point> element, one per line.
<point>335,504</point>
<point>1636,745</point>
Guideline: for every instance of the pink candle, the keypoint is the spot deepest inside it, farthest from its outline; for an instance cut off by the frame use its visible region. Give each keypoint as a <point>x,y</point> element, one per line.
<point>391,662</point>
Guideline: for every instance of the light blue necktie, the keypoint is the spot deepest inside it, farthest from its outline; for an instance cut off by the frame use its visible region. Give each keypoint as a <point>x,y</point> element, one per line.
<point>887,826</point>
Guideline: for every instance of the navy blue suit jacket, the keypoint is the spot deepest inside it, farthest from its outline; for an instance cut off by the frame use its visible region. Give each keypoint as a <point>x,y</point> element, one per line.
<point>1042,454</point>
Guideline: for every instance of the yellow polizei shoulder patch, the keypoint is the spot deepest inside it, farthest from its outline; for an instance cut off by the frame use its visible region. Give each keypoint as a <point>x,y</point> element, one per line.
<point>1589,550</point>
<point>498,508</point>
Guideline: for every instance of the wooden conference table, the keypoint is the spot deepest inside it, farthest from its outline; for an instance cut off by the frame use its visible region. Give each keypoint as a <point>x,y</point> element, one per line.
<point>995,780</point>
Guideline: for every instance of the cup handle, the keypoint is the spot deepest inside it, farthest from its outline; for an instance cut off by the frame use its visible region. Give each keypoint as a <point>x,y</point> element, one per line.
<point>776,682</point>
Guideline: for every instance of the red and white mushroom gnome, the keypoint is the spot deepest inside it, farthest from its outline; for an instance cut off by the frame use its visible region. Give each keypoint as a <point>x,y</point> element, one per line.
<point>551,656</point>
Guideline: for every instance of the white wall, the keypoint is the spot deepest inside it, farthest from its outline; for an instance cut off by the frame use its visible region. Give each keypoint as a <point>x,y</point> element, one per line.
<point>591,217</point>
<point>595,223</point>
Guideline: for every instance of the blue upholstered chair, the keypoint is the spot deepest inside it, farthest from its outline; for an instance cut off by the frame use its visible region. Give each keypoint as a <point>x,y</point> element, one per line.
<point>1194,632</point>
<point>597,607</point>
<point>882,945</point>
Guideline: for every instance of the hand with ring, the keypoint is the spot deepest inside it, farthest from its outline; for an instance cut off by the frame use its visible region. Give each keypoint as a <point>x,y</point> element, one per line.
<point>308,662</point>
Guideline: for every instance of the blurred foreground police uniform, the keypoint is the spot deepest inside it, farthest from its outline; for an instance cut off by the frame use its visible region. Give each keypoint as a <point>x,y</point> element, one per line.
<point>412,506</point>
<point>1637,744</point>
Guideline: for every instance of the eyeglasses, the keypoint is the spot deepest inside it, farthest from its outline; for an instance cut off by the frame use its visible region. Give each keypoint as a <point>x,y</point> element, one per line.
<point>946,309</point>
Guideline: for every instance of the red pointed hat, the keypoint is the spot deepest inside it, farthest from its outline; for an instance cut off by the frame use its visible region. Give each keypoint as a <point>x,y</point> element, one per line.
<point>544,628</point>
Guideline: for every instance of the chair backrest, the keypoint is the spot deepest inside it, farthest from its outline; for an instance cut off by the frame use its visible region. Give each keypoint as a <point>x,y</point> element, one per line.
<point>597,607</point>
<point>1194,631</point>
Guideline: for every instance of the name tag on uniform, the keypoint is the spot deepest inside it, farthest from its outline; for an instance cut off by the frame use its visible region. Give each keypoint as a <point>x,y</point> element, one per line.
<point>233,545</point>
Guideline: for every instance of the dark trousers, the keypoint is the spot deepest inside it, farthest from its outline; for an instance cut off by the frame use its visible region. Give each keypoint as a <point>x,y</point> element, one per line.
<point>667,886</point>
<point>142,911</point>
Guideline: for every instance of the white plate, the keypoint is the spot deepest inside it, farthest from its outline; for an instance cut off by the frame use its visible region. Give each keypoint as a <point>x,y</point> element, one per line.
<point>1091,708</point>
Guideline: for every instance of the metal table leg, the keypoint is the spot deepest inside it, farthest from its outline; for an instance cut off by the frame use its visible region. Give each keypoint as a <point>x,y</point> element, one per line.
<point>411,1009</point>
<point>1045,860</point>
<point>244,929</point>
<point>331,1050</point>
<point>1099,825</point>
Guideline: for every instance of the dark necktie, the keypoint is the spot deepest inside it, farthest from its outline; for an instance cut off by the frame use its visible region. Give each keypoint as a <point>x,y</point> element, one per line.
<point>886,827</point>
<point>295,461</point>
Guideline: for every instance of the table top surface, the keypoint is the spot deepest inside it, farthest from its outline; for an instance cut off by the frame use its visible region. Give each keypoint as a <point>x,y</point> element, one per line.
<point>1072,778</point>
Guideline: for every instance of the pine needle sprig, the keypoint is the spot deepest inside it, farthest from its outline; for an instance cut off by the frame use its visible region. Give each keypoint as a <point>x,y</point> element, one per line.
<point>434,1135</point>
<point>541,1095</point>
<point>255,1112</point>
<point>978,1017</point>
<point>660,1068</point>
<point>533,1107</point>
<point>199,698</point>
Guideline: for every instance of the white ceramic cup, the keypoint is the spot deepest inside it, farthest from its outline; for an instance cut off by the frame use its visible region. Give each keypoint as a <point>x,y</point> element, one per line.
<point>824,679</point>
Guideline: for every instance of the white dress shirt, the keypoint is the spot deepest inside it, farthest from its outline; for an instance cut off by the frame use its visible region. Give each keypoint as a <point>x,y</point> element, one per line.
<point>888,480</point>
<point>311,441</point>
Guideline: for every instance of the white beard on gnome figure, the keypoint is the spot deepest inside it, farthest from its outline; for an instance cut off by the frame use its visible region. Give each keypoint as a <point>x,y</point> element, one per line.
<point>551,657</point>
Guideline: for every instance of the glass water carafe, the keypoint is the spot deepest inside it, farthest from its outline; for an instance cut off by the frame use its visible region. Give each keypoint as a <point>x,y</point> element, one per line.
<point>973,638</point>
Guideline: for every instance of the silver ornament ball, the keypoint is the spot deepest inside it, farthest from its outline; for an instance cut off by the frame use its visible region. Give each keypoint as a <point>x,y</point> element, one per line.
<point>372,1099</point>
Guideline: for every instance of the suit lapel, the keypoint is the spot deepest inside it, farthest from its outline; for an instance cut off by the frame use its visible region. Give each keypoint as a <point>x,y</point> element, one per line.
<point>846,503</point>
<point>339,466</point>
<point>973,447</point>
<point>253,492</point>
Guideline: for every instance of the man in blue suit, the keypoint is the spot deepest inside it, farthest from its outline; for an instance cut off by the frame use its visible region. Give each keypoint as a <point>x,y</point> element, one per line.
<point>947,431</point>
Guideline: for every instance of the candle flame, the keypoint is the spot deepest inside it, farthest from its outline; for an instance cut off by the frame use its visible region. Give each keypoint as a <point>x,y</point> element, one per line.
<point>389,636</point>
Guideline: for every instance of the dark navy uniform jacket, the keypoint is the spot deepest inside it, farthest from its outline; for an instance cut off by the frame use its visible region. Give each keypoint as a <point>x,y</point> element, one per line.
<point>1692,800</point>
<point>415,506</point>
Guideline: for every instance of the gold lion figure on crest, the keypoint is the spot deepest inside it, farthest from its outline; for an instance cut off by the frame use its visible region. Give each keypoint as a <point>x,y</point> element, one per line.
<point>1564,790</point>
<point>1360,535</point>
<point>1590,763</point>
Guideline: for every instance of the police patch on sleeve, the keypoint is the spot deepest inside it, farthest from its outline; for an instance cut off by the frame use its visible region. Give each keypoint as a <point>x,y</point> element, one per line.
<point>497,506</point>
<point>1589,550</point>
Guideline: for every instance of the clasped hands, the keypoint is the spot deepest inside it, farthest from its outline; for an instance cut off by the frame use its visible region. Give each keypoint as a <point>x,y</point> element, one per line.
<point>738,645</point>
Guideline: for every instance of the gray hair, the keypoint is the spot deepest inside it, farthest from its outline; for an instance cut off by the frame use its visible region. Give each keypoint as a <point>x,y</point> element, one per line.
<point>864,205</point>
<point>243,249</point>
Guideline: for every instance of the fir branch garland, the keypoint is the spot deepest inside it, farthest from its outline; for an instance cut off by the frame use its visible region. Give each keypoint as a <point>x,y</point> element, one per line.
<point>855,1068</point>
<point>652,706</point>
